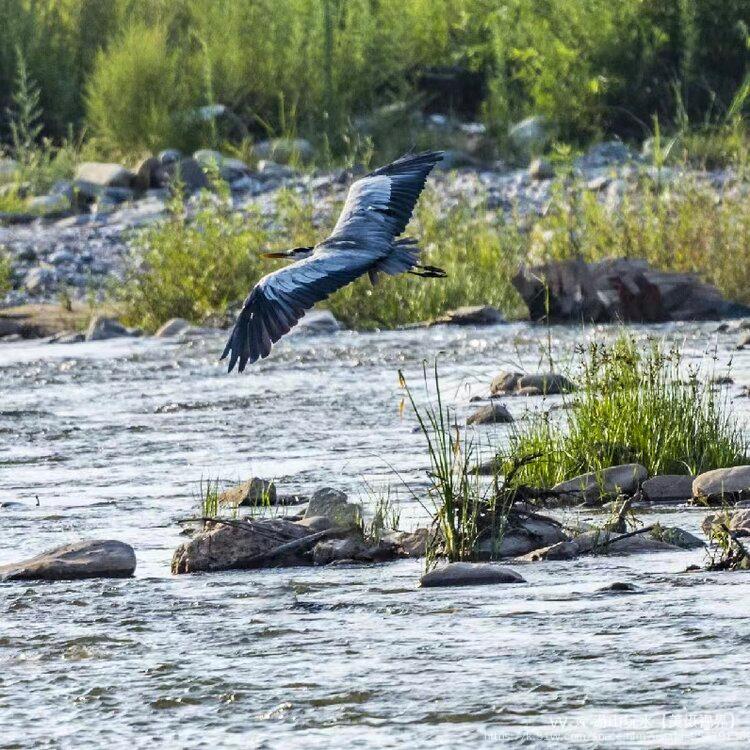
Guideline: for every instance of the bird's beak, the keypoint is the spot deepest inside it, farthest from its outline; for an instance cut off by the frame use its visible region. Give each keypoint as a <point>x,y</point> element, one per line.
<point>275,255</point>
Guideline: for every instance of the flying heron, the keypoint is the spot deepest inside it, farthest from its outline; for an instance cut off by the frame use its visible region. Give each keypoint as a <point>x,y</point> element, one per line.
<point>364,241</point>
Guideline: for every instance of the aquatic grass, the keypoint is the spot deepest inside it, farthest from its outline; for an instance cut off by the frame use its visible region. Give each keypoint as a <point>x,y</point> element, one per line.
<point>386,514</point>
<point>643,404</point>
<point>208,498</point>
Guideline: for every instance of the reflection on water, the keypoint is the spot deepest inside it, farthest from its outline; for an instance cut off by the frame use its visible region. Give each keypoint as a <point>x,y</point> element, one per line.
<point>113,438</point>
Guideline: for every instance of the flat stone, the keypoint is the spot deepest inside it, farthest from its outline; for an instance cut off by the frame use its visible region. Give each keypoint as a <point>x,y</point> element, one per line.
<point>491,414</point>
<point>471,316</point>
<point>253,492</point>
<point>98,558</point>
<point>668,488</point>
<point>333,504</point>
<point>722,485</point>
<point>469,574</point>
<point>610,482</point>
<point>173,327</point>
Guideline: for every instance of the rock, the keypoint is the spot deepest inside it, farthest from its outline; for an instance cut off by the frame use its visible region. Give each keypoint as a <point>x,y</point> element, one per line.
<point>284,150</point>
<point>104,175</point>
<point>209,159</point>
<point>67,337</point>
<point>530,136</point>
<point>615,290</point>
<point>227,546</point>
<point>410,543</point>
<point>505,382</point>
<point>668,488</point>
<point>316,523</point>
<point>39,279</point>
<point>471,316</point>
<point>316,322</point>
<point>679,538</point>
<point>40,321</point>
<point>187,172</point>
<point>607,154</point>
<point>233,170</point>
<point>618,587</point>
<point>173,327</point>
<point>149,174</point>
<point>738,520</point>
<point>333,504</point>
<point>270,170</point>
<point>492,414</point>
<point>169,156</point>
<point>598,542</point>
<point>332,550</point>
<point>524,534</point>
<point>547,383</point>
<point>608,483</point>
<point>101,328</point>
<point>541,169</point>
<point>722,485</point>
<point>469,574</point>
<point>54,203</point>
<point>744,340</point>
<point>99,558</point>
<point>253,492</point>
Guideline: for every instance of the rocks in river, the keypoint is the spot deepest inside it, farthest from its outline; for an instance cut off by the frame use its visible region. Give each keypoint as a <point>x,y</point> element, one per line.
<point>524,533</point>
<point>316,322</point>
<point>494,413</point>
<point>469,574</point>
<point>173,327</point>
<point>545,383</point>
<point>678,537</point>
<point>744,340</point>
<point>253,492</point>
<point>38,321</point>
<point>618,289</point>
<point>738,520</point>
<point>722,486</point>
<point>481,315</point>
<point>410,543</point>
<point>596,486</point>
<point>334,504</point>
<point>618,587</point>
<point>99,558</point>
<point>668,488</point>
<point>353,548</point>
<point>102,327</point>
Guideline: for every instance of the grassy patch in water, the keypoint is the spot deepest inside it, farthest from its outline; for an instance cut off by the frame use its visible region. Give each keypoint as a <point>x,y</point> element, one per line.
<point>635,404</point>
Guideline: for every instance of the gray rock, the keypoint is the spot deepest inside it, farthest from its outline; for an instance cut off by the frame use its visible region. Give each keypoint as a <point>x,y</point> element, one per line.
<point>744,340</point>
<point>607,154</point>
<point>173,327</point>
<point>270,170</point>
<point>331,550</point>
<point>548,383</point>
<point>679,538</point>
<point>104,175</point>
<point>738,520</point>
<point>668,488</point>
<point>469,574</point>
<point>530,136</point>
<point>99,558</point>
<point>505,382</point>
<point>253,492</point>
<point>606,484</point>
<point>316,523</point>
<point>149,174</point>
<point>410,543</point>
<point>471,316</point>
<point>61,257</point>
<point>169,156</point>
<point>188,172</point>
<point>524,535</point>
<point>49,204</point>
<point>333,504</point>
<point>598,542</point>
<point>101,328</point>
<point>40,279</point>
<point>67,337</point>
<point>619,587</point>
<point>284,150</point>
<point>317,322</point>
<point>233,169</point>
<point>722,485</point>
<point>209,159</point>
<point>491,414</point>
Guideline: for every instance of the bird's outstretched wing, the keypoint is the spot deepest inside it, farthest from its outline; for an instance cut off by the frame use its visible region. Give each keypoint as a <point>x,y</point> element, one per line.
<point>380,204</point>
<point>280,299</point>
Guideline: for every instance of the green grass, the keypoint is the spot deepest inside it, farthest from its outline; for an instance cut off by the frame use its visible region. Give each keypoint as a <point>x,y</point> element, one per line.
<point>642,404</point>
<point>6,275</point>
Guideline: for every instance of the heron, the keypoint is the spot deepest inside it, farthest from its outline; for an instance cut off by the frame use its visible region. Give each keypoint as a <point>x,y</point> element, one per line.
<point>366,240</point>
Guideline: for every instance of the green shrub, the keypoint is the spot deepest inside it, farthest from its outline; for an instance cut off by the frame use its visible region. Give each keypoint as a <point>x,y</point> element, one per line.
<point>6,276</point>
<point>635,404</point>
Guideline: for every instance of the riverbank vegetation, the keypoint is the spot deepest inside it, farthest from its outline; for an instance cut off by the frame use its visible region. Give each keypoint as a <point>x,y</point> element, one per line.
<point>635,404</point>
<point>139,75</point>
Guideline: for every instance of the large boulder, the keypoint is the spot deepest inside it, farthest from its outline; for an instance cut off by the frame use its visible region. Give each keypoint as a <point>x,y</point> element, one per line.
<point>98,558</point>
<point>469,574</point>
<point>333,504</point>
<point>619,289</point>
<point>227,545</point>
<point>253,492</point>
<point>722,485</point>
<point>596,486</point>
<point>494,413</point>
<point>102,327</point>
<point>104,175</point>
<point>668,488</point>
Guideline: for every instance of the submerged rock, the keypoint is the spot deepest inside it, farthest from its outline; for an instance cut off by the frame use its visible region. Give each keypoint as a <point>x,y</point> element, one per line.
<point>492,414</point>
<point>619,587</point>
<point>595,486</point>
<point>524,533</point>
<point>722,485</point>
<point>97,558</point>
<point>544,383</point>
<point>469,574</point>
<point>668,488</point>
<point>333,504</point>
<point>253,492</point>
<point>481,315</point>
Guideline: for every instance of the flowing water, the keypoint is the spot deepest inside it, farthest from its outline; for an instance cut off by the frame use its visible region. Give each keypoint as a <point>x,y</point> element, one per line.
<point>113,438</point>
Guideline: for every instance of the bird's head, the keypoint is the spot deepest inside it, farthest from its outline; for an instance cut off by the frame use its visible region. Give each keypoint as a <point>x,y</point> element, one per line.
<point>296,253</point>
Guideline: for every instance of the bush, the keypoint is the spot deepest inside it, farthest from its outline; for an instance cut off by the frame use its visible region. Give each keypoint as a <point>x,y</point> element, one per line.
<point>635,404</point>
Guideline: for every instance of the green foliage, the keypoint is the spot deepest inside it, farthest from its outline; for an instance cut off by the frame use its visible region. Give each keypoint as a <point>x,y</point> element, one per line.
<point>635,404</point>
<point>6,275</point>
<point>191,268</point>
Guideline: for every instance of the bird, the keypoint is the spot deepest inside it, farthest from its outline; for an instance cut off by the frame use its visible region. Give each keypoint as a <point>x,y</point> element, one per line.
<point>365,240</point>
